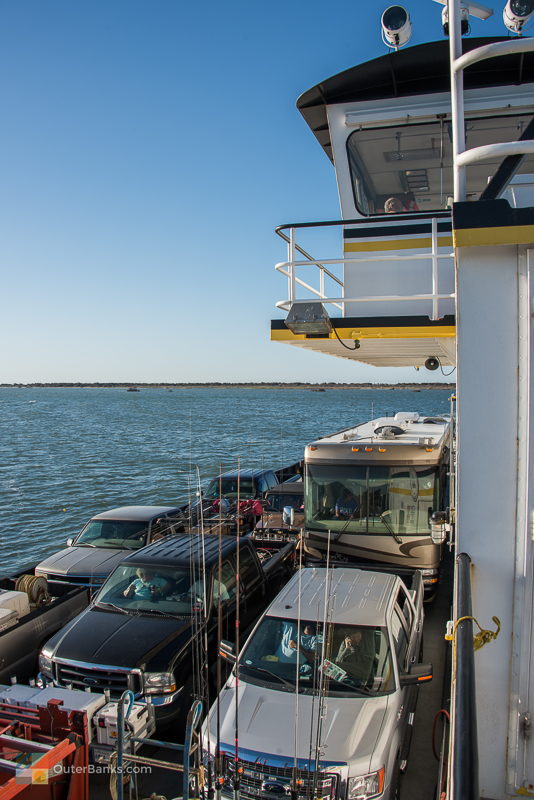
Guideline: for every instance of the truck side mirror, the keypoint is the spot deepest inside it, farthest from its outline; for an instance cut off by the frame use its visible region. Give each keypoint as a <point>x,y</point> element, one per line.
<point>226,651</point>
<point>288,515</point>
<point>417,674</point>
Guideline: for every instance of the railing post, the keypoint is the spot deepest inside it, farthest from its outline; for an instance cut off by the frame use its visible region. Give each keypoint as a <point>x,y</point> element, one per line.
<point>464,772</point>
<point>457,102</point>
<point>435,301</point>
<point>291,259</point>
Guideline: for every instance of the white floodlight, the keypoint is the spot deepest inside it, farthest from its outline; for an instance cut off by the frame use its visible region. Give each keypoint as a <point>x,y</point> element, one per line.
<point>516,14</point>
<point>396,27</point>
<point>474,9</point>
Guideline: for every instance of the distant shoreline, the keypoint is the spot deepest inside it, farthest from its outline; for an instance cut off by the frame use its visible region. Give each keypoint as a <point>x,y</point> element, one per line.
<point>297,385</point>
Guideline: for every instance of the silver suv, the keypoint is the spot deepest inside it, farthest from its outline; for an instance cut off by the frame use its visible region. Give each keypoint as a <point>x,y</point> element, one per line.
<point>328,683</point>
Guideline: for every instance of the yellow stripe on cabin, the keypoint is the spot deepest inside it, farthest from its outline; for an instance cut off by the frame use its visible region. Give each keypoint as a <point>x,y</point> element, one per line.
<point>412,332</point>
<point>396,244</point>
<point>509,234</point>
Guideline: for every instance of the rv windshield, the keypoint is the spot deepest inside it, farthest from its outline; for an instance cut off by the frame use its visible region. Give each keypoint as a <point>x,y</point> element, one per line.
<point>349,660</point>
<point>371,499</point>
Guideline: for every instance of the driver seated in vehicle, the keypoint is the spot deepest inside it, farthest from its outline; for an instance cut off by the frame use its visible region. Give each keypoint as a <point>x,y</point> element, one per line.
<point>147,585</point>
<point>356,654</point>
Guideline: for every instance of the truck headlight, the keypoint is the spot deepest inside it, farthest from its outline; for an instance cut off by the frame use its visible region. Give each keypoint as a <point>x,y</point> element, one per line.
<point>366,786</point>
<point>45,664</point>
<point>159,682</point>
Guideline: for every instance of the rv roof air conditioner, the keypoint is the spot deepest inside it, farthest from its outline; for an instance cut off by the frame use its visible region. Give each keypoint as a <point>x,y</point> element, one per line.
<point>388,431</point>
<point>406,416</point>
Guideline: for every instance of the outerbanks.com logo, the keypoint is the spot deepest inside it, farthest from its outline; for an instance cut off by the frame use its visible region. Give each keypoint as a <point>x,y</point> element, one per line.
<point>37,776</point>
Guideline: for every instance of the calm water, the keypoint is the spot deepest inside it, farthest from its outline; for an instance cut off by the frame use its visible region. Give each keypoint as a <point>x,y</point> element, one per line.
<point>66,454</point>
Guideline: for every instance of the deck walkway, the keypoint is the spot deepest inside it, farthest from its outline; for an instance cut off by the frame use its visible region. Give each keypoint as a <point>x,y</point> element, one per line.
<point>420,779</point>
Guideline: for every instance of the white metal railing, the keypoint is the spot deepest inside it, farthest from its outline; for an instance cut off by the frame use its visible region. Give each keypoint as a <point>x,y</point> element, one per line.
<point>289,270</point>
<point>462,157</point>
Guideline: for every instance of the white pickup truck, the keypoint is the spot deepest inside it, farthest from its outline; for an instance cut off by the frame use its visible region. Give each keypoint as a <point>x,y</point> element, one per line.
<point>327,685</point>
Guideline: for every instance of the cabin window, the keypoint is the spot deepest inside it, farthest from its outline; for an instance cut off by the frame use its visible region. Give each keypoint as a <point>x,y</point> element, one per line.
<point>373,499</point>
<point>406,168</point>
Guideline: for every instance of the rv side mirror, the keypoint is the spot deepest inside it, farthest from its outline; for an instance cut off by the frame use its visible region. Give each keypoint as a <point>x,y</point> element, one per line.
<point>416,675</point>
<point>70,541</point>
<point>226,651</point>
<point>438,526</point>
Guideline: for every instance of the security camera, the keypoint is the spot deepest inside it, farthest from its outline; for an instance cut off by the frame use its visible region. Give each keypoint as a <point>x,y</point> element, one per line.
<point>432,363</point>
<point>464,20</point>
<point>467,8</point>
<point>396,27</point>
<point>516,14</point>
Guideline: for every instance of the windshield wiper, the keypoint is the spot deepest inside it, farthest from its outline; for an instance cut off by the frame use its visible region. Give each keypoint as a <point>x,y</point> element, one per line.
<point>347,683</point>
<point>111,605</point>
<point>157,611</point>
<point>84,544</point>
<point>389,527</point>
<point>268,672</point>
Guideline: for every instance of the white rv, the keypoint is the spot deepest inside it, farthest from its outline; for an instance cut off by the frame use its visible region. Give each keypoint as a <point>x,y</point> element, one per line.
<point>372,492</point>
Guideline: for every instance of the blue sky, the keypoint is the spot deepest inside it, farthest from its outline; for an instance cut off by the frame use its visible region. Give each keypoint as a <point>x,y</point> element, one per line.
<point>149,148</point>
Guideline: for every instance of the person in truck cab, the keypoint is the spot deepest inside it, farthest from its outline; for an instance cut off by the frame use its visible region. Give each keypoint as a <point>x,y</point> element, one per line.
<point>307,644</point>
<point>356,654</point>
<point>146,585</point>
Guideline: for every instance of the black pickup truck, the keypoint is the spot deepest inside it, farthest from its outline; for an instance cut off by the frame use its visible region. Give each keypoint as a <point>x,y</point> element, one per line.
<point>147,627</point>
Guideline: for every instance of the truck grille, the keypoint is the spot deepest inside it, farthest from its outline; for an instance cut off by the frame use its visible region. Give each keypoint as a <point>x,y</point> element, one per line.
<point>80,676</point>
<point>275,783</point>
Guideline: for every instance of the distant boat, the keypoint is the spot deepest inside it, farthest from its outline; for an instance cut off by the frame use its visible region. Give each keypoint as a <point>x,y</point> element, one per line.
<point>133,389</point>
<point>318,390</point>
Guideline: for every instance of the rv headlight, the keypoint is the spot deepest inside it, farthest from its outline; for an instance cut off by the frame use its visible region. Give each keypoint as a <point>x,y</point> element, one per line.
<point>45,664</point>
<point>159,682</point>
<point>366,786</point>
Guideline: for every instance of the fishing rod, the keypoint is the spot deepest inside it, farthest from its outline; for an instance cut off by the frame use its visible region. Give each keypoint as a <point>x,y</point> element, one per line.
<point>294,790</point>
<point>237,774</point>
<point>204,692</point>
<point>323,681</point>
<point>219,778</point>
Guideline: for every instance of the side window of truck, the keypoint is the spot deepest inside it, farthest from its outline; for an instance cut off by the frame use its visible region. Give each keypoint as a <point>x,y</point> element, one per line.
<point>400,637</point>
<point>248,567</point>
<point>272,480</point>
<point>226,585</point>
<point>405,607</point>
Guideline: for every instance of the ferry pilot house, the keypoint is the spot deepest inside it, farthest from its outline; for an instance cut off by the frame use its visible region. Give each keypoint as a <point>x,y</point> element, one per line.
<point>402,169</point>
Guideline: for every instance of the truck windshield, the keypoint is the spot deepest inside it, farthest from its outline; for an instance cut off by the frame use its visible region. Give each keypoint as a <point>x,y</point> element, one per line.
<point>341,659</point>
<point>113,533</point>
<point>371,499</point>
<point>228,487</point>
<point>158,590</point>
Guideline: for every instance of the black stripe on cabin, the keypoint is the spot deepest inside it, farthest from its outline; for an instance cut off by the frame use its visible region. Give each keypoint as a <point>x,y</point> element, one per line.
<point>490,214</point>
<point>395,230</point>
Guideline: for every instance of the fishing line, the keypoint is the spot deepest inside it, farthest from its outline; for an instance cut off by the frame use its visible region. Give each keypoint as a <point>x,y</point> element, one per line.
<point>297,686</point>
<point>237,620</point>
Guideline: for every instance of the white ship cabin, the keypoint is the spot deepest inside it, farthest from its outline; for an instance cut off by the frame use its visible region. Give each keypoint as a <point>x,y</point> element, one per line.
<point>389,298</point>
